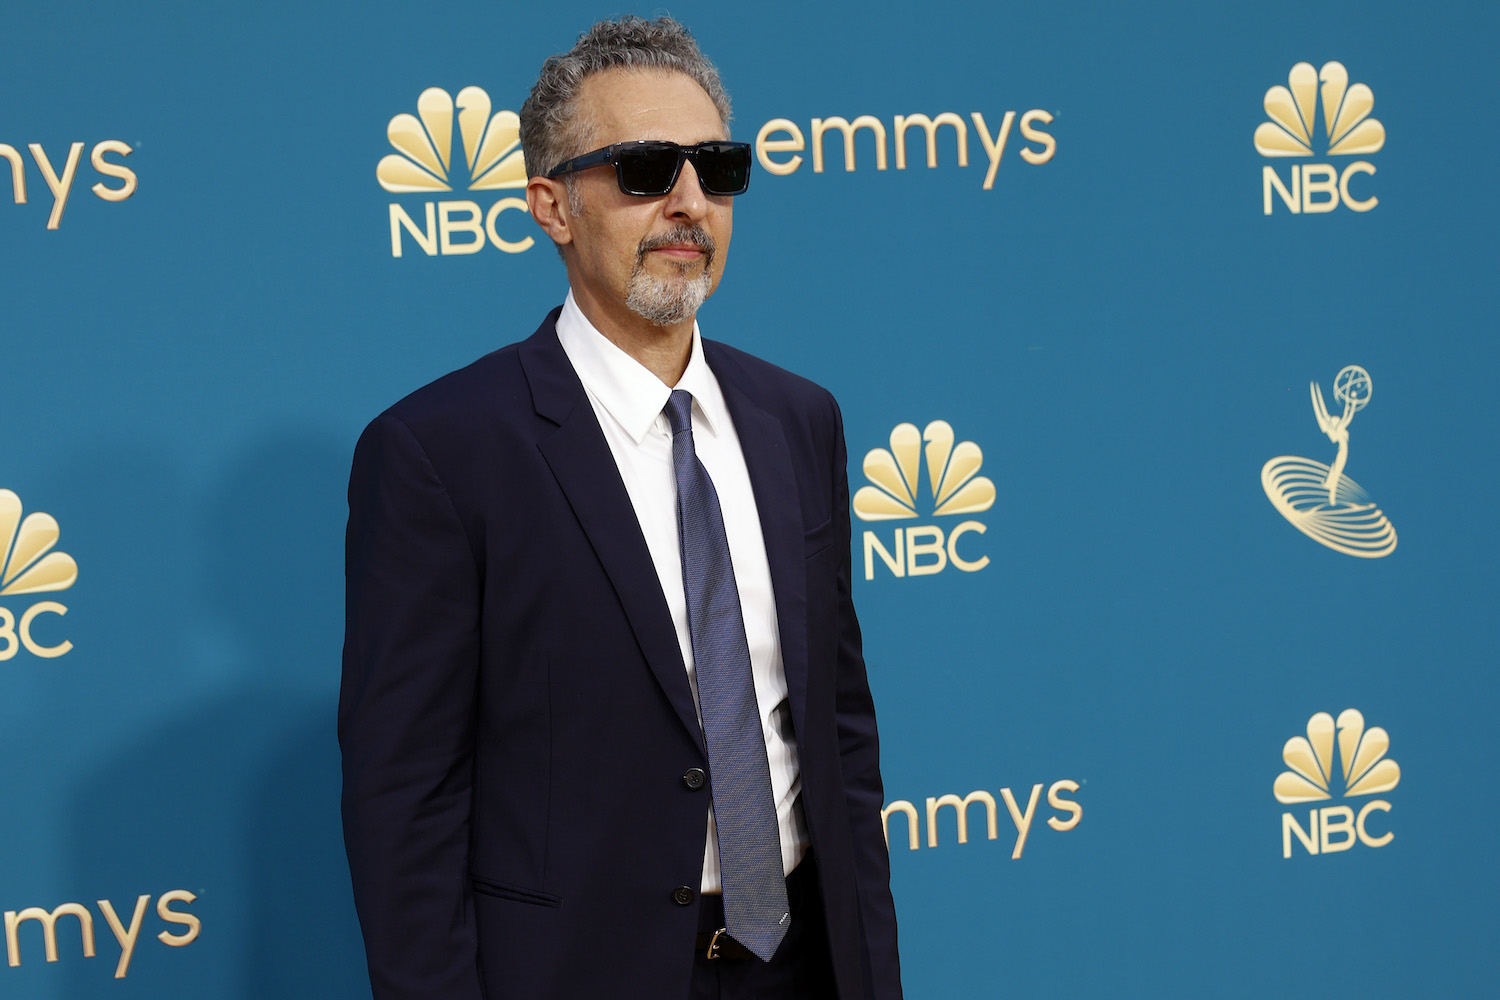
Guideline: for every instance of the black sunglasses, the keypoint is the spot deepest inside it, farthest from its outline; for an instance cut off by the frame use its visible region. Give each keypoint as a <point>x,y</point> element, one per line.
<point>650,167</point>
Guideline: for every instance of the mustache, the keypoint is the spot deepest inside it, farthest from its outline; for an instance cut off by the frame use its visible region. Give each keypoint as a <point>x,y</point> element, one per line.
<point>696,235</point>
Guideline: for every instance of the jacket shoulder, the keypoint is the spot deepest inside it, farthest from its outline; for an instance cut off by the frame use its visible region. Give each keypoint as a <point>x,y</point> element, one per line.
<point>459,397</point>
<point>769,384</point>
<point>493,387</point>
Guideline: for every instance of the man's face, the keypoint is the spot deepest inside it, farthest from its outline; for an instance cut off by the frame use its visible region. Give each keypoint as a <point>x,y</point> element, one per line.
<point>661,257</point>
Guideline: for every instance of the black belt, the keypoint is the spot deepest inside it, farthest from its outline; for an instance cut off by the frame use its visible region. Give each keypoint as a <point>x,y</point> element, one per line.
<point>716,943</point>
<point>720,945</point>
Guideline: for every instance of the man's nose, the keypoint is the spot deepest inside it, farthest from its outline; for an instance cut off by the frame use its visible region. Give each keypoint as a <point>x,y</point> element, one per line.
<point>686,200</point>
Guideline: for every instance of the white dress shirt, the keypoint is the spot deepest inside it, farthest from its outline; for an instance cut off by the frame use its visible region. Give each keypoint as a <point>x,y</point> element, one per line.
<point>628,401</point>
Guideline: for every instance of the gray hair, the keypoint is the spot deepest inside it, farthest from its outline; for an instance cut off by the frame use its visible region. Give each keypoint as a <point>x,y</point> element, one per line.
<point>550,130</point>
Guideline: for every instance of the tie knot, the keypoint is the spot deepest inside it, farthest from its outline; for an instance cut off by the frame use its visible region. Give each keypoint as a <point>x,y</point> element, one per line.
<point>679,411</point>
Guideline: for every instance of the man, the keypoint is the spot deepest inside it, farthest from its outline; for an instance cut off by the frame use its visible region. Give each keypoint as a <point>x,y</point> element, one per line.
<point>605,720</point>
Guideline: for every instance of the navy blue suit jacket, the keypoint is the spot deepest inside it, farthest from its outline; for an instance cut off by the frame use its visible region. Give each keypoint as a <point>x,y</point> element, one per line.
<point>515,717</point>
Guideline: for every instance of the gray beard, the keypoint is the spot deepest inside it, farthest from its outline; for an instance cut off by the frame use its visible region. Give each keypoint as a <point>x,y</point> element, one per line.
<point>666,301</point>
<point>676,298</point>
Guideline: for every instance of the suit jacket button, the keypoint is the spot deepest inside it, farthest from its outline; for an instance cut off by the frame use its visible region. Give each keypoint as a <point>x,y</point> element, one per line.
<point>683,896</point>
<point>694,778</point>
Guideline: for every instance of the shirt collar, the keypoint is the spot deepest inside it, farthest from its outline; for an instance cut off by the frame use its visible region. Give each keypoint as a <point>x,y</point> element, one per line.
<point>698,379</point>
<point>627,389</point>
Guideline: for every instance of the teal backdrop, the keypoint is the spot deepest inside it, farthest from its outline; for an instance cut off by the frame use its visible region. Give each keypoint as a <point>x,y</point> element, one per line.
<point>1120,635</point>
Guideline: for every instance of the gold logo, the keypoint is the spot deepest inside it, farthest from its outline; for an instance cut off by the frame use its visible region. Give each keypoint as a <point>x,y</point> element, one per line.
<point>426,161</point>
<point>1363,769</point>
<point>126,933</point>
<point>61,175</point>
<point>1347,130</point>
<point>1348,127</point>
<point>29,565</point>
<point>782,135</point>
<point>492,146</point>
<point>1319,500</point>
<point>956,488</point>
<point>1069,812</point>
<point>950,473</point>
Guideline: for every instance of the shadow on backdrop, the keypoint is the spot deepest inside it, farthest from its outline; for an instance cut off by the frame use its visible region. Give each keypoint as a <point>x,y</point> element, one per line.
<point>234,794</point>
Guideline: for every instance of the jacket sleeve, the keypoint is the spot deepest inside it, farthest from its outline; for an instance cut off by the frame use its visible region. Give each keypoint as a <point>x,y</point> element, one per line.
<point>859,755</point>
<point>406,719</point>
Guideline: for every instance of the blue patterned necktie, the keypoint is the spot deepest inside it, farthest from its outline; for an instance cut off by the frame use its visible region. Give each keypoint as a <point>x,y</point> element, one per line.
<point>755,904</point>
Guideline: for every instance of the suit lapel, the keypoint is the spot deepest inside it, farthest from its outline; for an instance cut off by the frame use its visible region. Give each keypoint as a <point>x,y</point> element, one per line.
<point>585,470</point>
<point>774,482</point>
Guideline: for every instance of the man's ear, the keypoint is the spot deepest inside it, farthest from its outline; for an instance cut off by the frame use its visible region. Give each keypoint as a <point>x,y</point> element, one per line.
<point>547,199</point>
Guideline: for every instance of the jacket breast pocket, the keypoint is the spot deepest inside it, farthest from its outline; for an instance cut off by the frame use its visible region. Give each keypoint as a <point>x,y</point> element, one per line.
<point>489,887</point>
<point>816,540</point>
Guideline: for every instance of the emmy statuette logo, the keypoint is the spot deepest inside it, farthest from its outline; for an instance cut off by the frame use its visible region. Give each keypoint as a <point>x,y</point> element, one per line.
<point>30,565</point>
<point>922,550</point>
<point>424,163</point>
<point>1296,130</point>
<point>1319,500</point>
<point>1364,770</point>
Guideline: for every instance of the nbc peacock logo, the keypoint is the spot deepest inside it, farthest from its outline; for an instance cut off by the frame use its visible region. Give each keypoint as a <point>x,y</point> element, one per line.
<point>894,494</point>
<point>1363,769</point>
<point>1296,130</point>
<point>490,159</point>
<point>30,564</point>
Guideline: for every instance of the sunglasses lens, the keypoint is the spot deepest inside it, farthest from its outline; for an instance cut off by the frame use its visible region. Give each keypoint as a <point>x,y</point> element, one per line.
<point>648,169</point>
<point>723,167</point>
